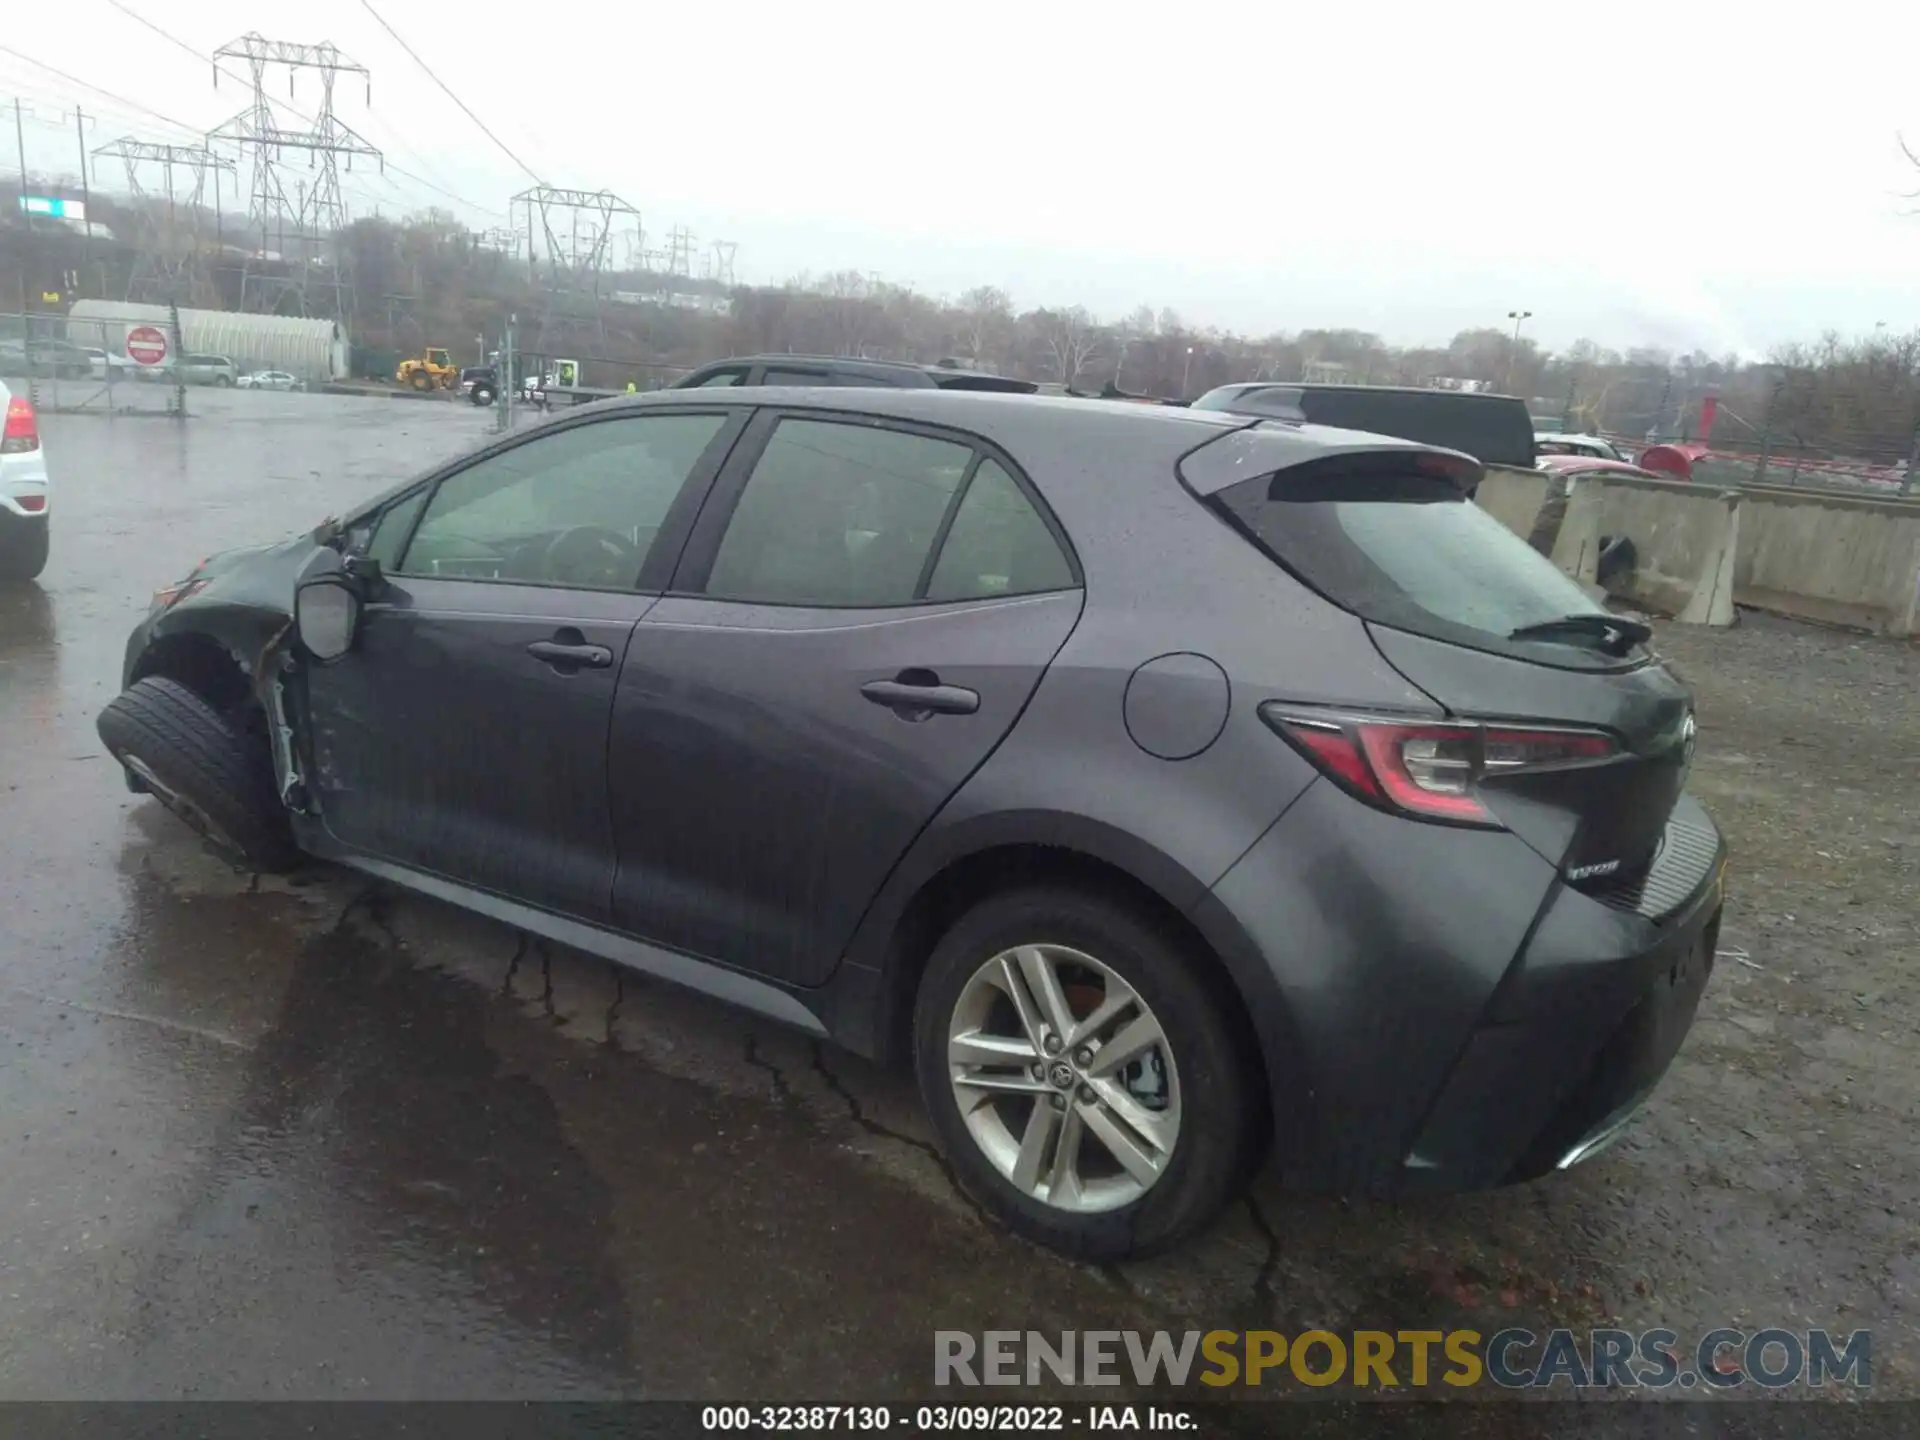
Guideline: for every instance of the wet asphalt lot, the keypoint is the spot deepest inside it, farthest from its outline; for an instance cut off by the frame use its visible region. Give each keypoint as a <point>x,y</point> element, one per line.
<point>305,1138</point>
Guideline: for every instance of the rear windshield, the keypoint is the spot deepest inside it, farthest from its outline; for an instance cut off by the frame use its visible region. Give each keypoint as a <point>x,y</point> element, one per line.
<point>1411,551</point>
<point>1494,429</point>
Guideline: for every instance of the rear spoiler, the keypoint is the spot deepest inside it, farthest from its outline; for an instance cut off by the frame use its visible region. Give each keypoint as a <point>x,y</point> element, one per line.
<point>1318,455</point>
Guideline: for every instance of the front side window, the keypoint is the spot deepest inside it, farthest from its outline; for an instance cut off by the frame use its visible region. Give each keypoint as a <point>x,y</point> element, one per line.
<point>837,514</point>
<point>579,508</point>
<point>722,377</point>
<point>774,376</point>
<point>392,527</point>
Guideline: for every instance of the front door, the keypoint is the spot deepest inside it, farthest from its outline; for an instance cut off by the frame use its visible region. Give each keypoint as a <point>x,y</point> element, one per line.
<point>872,608</point>
<point>466,733</point>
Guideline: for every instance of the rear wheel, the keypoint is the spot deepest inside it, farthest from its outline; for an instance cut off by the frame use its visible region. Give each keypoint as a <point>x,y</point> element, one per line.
<point>1083,1074</point>
<point>23,549</point>
<point>212,773</point>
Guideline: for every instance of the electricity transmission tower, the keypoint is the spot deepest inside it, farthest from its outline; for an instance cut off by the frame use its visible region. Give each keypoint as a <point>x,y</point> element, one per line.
<point>572,232</point>
<point>171,234</point>
<point>719,265</point>
<point>299,220</point>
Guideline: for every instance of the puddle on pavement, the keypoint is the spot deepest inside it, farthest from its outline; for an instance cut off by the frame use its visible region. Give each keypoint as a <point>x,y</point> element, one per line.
<point>423,1185</point>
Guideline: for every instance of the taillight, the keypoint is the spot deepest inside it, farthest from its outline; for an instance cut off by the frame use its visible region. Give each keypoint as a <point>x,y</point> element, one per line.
<point>22,432</point>
<point>1432,771</point>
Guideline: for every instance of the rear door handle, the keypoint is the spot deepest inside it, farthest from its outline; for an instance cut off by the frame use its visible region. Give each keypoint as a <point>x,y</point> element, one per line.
<point>906,697</point>
<point>566,657</point>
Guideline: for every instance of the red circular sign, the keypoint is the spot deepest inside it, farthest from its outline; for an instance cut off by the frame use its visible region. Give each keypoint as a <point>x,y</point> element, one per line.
<point>146,345</point>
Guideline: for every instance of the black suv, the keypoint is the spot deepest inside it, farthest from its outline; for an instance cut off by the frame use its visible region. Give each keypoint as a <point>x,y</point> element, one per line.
<point>841,370</point>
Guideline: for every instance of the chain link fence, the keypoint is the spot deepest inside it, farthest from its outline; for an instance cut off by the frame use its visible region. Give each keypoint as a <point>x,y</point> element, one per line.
<point>66,366</point>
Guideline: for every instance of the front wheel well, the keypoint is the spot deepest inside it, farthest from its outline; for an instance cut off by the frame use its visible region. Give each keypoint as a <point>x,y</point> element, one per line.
<point>964,883</point>
<point>204,666</point>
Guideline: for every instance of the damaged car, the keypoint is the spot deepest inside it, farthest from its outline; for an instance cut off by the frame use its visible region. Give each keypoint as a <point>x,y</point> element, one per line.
<point>1170,788</point>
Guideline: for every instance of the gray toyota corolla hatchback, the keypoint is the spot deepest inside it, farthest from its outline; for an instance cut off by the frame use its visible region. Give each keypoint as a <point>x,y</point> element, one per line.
<point>1170,786</point>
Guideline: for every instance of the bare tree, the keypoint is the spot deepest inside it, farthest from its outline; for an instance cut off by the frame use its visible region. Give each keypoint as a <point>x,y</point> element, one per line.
<point>986,323</point>
<point>1071,338</point>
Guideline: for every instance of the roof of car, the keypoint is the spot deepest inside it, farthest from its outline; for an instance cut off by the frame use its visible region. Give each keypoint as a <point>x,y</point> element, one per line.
<point>1241,386</point>
<point>1068,433</point>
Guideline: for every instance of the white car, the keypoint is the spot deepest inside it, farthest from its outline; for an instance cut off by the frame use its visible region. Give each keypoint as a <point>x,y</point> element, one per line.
<point>105,363</point>
<point>269,380</point>
<point>1593,447</point>
<point>24,500</point>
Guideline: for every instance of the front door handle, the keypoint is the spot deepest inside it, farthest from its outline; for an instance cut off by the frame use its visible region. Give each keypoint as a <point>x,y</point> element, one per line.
<point>917,696</point>
<point>563,656</point>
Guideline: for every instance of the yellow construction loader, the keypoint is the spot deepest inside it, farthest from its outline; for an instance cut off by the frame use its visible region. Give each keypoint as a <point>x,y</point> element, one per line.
<point>432,369</point>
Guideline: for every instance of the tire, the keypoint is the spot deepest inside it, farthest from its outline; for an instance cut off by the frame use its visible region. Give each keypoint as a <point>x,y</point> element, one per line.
<point>1212,1096</point>
<point>482,395</point>
<point>23,549</point>
<point>211,774</point>
<point>421,380</point>
<point>223,382</point>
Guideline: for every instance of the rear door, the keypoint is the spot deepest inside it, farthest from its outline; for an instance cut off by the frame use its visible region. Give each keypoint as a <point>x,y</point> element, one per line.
<point>1444,587</point>
<point>466,732</point>
<point>864,610</point>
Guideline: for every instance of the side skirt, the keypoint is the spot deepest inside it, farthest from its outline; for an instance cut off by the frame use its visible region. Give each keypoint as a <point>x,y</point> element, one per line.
<point>669,965</point>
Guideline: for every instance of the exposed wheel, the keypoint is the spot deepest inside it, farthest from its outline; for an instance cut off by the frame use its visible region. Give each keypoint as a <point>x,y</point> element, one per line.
<point>421,380</point>
<point>23,549</point>
<point>1082,1073</point>
<point>211,773</point>
<point>224,382</point>
<point>483,395</point>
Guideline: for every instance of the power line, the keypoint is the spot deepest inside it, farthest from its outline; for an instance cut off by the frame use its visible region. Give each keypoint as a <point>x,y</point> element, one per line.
<point>117,99</point>
<point>206,59</point>
<point>449,93</point>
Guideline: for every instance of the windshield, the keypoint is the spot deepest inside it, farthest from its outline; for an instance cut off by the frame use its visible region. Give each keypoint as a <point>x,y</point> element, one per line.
<point>1412,552</point>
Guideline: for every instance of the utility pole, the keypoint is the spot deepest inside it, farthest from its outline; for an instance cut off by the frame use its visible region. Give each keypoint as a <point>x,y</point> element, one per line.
<point>86,188</point>
<point>26,326</point>
<point>1513,350</point>
<point>20,140</point>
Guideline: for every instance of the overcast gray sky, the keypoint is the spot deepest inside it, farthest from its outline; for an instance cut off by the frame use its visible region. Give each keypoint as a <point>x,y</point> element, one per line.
<point>1684,174</point>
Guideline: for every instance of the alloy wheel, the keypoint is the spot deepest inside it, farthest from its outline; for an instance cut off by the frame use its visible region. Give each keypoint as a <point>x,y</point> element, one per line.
<point>1064,1078</point>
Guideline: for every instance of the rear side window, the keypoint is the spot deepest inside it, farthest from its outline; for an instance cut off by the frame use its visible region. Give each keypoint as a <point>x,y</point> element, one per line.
<point>1410,551</point>
<point>775,376</point>
<point>837,515</point>
<point>997,545</point>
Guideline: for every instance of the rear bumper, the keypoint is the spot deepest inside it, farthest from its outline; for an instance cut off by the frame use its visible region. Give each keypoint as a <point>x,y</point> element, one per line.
<point>24,492</point>
<point>1453,1016</point>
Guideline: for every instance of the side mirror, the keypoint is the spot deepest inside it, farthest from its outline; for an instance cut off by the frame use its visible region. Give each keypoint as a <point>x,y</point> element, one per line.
<point>367,573</point>
<point>326,613</point>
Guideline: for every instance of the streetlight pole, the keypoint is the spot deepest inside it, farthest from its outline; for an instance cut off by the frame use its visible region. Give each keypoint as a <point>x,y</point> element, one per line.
<point>1186,368</point>
<point>1513,350</point>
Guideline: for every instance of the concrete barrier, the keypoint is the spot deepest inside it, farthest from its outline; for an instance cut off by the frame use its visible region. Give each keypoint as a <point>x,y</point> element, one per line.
<point>1513,497</point>
<point>1836,559</point>
<point>1685,541</point>
<point>1840,559</point>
